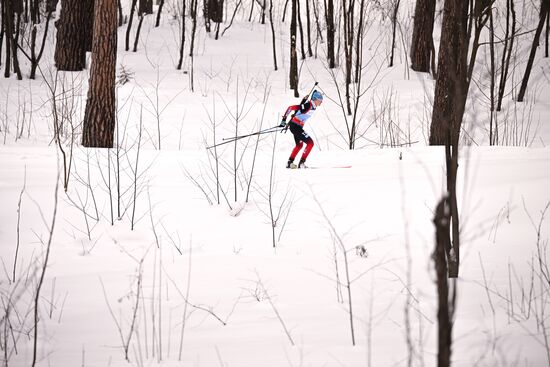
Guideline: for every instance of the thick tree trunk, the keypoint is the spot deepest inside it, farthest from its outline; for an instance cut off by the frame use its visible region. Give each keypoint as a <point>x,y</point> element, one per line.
<point>450,88</point>
<point>100,113</point>
<point>215,10</point>
<point>70,48</point>
<point>422,38</point>
<point>88,24</point>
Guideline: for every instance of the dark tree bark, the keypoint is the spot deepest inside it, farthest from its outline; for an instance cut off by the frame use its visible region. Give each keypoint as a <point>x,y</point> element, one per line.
<point>507,50</point>
<point>359,43</point>
<point>145,7</point>
<point>129,27</point>
<point>206,13</point>
<point>293,53</point>
<point>547,34</point>
<point>301,28</point>
<point>422,38</point>
<point>35,58</point>
<point>138,32</point>
<point>329,18</point>
<point>347,11</point>
<point>544,9</point>
<point>159,12</point>
<point>120,14</point>
<point>88,24</point>
<point>216,10</point>
<point>394,30</point>
<point>10,27</point>
<point>100,113</point>
<point>182,43</point>
<point>2,27</point>
<point>451,90</point>
<point>194,16</point>
<point>70,48</point>
<point>492,72</point>
<point>445,309</point>
<point>273,38</point>
<point>451,81</point>
<point>308,29</point>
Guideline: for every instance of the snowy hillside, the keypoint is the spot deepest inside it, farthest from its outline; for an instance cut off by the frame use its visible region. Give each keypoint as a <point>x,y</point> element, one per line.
<point>151,263</point>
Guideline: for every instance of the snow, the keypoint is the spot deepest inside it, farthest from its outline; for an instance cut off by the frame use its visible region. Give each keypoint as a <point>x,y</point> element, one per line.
<point>208,276</point>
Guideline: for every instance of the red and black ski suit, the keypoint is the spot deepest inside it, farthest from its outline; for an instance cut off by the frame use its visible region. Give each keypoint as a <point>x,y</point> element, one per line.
<point>302,113</point>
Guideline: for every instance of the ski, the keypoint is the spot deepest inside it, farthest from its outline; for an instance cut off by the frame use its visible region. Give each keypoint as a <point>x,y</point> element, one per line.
<point>293,166</point>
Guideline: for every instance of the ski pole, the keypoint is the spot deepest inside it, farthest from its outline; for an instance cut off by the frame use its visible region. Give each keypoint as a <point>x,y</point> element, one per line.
<point>231,140</point>
<point>268,130</point>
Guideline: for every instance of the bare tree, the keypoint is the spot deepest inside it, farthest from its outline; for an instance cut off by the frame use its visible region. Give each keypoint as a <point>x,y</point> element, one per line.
<point>10,28</point>
<point>394,29</point>
<point>293,53</point>
<point>100,113</point>
<point>331,30</point>
<point>422,49</point>
<point>70,49</point>
<point>451,91</point>
<point>507,50</point>
<point>544,11</point>
<point>446,305</point>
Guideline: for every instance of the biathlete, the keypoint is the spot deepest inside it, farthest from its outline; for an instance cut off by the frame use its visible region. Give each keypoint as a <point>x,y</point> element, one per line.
<point>302,113</point>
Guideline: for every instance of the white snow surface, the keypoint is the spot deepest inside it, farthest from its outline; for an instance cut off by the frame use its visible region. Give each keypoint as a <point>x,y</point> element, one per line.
<point>201,283</point>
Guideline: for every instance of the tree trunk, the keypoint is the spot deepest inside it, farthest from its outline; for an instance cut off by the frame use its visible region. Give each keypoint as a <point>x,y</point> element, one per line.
<point>88,24</point>
<point>422,38</point>
<point>35,59</point>
<point>159,12</point>
<point>293,53</point>
<point>450,88</point>
<point>348,48</point>
<point>100,113</point>
<point>547,34</point>
<point>273,38</point>
<point>329,15</point>
<point>129,27</point>
<point>394,31</point>
<point>544,9</point>
<point>15,39</point>
<point>182,43</point>
<point>145,7</point>
<point>70,50</point>
<point>138,32</point>
<point>301,28</point>
<point>215,10</point>
<point>359,43</point>
<point>120,14</point>
<point>445,308</point>
<point>507,50</point>
<point>308,28</point>
<point>492,72</point>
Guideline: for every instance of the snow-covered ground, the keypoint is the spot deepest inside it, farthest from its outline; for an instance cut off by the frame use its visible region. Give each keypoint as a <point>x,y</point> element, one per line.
<point>168,276</point>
